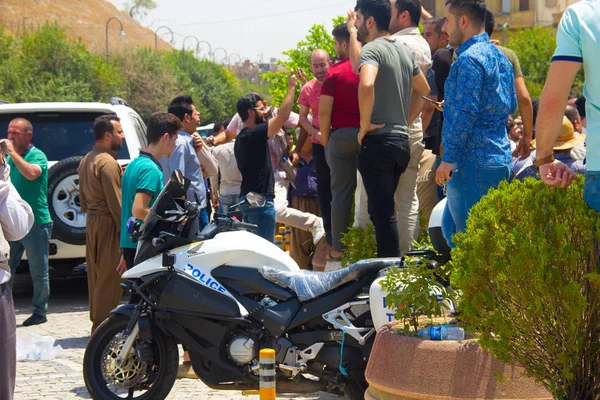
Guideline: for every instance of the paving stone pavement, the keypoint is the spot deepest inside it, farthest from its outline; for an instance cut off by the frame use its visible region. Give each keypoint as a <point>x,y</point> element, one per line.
<point>62,379</point>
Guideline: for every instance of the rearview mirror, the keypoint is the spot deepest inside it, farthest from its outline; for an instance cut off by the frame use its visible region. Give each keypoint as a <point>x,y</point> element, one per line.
<point>178,184</point>
<point>256,200</point>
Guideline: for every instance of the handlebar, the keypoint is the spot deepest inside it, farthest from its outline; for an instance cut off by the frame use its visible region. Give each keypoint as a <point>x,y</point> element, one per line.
<point>245,225</point>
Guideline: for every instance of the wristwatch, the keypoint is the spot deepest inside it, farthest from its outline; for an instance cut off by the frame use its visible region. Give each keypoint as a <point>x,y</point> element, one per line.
<point>542,161</point>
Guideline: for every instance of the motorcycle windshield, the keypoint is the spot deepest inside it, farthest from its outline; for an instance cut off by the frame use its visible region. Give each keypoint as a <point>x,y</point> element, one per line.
<point>156,220</point>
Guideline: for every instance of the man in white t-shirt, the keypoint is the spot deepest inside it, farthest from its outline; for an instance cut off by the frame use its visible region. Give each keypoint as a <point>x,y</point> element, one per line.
<point>577,43</point>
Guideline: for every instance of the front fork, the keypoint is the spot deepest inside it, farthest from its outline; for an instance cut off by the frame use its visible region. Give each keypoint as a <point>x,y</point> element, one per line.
<point>133,327</point>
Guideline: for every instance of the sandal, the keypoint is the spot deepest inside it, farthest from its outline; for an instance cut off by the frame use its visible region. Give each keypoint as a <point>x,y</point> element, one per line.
<point>332,258</point>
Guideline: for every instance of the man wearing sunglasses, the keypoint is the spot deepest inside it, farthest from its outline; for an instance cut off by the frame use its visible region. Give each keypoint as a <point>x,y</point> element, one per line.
<point>253,156</point>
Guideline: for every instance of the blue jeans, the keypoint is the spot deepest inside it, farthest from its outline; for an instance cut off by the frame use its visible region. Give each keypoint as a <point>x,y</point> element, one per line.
<point>203,218</point>
<point>226,201</point>
<point>36,245</point>
<point>468,185</point>
<point>263,217</point>
<point>591,189</point>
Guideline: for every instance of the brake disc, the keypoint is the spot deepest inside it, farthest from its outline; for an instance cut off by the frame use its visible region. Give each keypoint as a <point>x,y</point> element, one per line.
<point>127,375</point>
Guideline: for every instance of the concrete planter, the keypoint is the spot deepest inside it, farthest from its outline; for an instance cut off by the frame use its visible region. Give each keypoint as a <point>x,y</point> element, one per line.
<point>402,367</point>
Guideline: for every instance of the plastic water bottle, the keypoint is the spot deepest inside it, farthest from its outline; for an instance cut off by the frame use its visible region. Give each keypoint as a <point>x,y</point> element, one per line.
<point>443,332</point>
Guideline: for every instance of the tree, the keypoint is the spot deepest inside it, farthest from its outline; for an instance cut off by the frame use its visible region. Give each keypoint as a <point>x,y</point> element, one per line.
<point>214,89</point>
<point>299,57</point>
<point>45,66</point>
<point>535,47</point>
<point>139,8</point>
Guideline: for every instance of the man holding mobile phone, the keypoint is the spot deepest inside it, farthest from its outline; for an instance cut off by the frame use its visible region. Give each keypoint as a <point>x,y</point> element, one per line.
<point>481,94</point>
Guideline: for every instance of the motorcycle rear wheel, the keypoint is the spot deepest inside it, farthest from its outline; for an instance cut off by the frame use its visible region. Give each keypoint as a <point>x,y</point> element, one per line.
<point>154,380</point>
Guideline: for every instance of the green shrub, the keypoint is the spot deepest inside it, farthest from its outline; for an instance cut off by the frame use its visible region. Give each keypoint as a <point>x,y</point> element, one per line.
<point>410,293</point>
<point>528,270</point>
<point>535,47</point>
<point>359,244</point>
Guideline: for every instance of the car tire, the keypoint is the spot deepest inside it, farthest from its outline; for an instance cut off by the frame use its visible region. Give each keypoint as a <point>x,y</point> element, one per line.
<point>63,202</point>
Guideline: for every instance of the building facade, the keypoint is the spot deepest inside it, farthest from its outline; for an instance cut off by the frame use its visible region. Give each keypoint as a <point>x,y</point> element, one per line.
<point>518,14</point>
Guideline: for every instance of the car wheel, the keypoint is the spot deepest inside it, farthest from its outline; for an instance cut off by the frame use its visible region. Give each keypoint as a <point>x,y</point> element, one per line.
<point>63,201</point>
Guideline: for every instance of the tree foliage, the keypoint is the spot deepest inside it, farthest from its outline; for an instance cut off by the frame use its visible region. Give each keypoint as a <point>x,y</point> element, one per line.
<point>535,47</point>
<point>139,8</point>
<point>45,66</point>
<point>299,57</point>
<point>528,270</point>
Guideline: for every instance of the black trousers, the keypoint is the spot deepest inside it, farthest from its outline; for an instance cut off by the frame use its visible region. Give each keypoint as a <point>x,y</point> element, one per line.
<point>381,161</point>
<point>129,256</point>
<point>323,187</point>
<point>8,344</point>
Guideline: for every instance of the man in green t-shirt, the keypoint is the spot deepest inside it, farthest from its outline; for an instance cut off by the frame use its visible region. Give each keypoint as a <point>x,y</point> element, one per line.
<point>143,178</point>
<point>29,175</point>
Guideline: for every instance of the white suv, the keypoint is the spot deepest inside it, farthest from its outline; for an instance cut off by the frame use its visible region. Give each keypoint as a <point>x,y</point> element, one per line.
<point>64,132</point>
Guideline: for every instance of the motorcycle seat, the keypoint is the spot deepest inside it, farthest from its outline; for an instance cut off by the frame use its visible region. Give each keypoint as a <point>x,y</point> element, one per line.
<point>310,284</point>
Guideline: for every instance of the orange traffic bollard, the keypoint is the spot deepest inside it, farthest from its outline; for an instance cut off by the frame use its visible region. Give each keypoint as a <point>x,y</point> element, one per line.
<point>267,374</point>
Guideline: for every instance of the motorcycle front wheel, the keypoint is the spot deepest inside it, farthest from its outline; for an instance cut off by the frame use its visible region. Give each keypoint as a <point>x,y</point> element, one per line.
<point>148,371</point>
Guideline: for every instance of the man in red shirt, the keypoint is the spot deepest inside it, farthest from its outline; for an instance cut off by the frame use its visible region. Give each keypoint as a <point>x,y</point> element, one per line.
<point>339,110</point>
<point>309,101</point>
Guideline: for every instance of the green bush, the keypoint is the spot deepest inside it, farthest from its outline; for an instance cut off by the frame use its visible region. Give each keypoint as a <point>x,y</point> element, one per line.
<point>44,65</point>
<point>410,292</point>
<point>528,270</point>
<point>359,244</point>
<point>535,47</point>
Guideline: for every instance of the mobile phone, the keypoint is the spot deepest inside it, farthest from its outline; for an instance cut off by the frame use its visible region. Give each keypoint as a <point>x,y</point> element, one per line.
<point>437,103</point>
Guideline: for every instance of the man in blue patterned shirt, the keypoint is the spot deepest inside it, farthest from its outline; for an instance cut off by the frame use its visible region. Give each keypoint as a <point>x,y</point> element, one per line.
<point>479,96</point>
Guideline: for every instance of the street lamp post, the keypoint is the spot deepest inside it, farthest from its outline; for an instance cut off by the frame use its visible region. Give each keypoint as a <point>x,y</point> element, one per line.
<point>156,35</point>
<point>121,32</point>
<point>25,26</point>
<point>215,54</point>
<point>236,55</point>
<point>209,47</point>
<point>183,48</point>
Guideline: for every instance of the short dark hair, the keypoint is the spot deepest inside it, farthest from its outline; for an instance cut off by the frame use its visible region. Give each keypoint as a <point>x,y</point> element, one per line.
<point>246,103</point>
<point>438,22</point>
<point>490,23</point>
<point>160,123</point>
<point>180,106</point>
<point>217,127</point>
<point>572,114</point>
<point>103,124</point>
<point>226,123</point>
<point>340,33</point>
<point>380,10</point>
<point>221,125</point>
<point>474,9</point>
<point>509,124</point>
<point>413,7</point>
